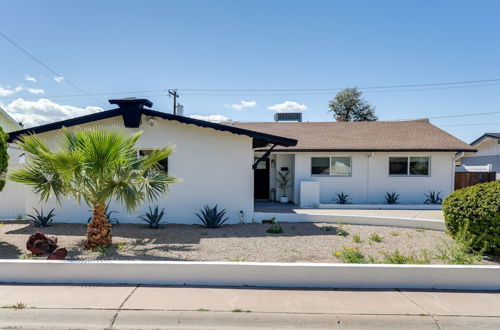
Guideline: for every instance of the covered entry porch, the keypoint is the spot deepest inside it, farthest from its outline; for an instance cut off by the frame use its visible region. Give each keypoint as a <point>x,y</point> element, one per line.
<point>269,174</point>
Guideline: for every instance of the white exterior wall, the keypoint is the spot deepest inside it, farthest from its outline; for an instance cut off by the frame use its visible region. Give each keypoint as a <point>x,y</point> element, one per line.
<point>215,168</point>
<point>370,178</point>
<point>12,197</point>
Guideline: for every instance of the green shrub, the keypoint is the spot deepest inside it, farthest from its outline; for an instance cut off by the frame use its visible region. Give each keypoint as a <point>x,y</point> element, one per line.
<point>351,256</point>
<point>356,238</point>
<point>376,238</point>
<point>275,227</point>
<point>475,212</point>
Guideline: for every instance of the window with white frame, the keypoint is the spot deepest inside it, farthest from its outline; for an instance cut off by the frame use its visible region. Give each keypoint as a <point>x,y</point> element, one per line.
<point>334,166</point>
<point>410,165</point>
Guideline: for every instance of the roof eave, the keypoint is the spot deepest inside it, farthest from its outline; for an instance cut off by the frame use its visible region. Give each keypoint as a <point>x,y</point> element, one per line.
<point>370,150</point>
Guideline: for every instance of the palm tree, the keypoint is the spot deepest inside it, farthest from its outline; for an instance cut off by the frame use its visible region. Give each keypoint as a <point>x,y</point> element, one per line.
<point>95,165</point>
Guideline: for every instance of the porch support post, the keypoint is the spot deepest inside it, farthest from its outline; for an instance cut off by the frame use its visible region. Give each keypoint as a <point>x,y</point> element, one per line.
<point>264,156</point>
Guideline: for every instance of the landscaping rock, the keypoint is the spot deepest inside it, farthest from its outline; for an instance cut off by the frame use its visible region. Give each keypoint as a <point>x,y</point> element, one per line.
<point>39,243</point>
<point>59,254</point>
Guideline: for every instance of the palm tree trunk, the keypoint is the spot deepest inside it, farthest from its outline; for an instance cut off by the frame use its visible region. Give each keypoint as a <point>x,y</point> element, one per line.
<point>99,229</point>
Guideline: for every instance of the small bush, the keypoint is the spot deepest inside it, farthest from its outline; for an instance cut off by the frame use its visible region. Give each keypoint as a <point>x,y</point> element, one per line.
<point>153,217</point>
<point>474,212</point>
<point>395,233</point>
<point>351,256</point>
<point>275,228</point>
<point>376,238</point>
<point>433,198</point>
<point>211,217</point>
<point>41,220</point>
<point>356,238</point>
<point>397,258</point>
<point>343,199</point>
<point>391,198</point>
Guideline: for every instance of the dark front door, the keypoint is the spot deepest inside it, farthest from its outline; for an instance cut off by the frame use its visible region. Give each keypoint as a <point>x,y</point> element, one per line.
<point>261,180</point>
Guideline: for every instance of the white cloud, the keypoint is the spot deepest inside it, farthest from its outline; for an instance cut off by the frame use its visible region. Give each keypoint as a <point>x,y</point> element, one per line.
<point>242,105</point>
<point>59,79</point>
<point>6,91</point>
<point>212,118</point>
<point>30,78</point>
<point>36,90</point>
<point>44,111</point>
<point>288,106</point>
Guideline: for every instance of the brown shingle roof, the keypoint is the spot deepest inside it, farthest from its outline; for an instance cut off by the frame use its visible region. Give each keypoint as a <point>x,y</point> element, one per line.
<point>414,135</point>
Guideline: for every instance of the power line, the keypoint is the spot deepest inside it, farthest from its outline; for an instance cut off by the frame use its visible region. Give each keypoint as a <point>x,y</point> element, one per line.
<point>243,94</point>
<point>338,88</point>
<point>46,66</point>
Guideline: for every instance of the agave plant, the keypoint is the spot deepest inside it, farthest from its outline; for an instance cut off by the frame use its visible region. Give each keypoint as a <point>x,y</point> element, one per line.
<point>211,217</point>
<point>41,220</point>
<point>433,198</point>
<point>153,217</point>
<point>343,198</point>
<point>391,198</point>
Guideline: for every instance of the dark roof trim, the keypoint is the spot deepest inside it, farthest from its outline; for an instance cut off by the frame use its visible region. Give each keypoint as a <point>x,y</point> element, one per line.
<point>65,123</point>
<point>485,136</point>
<point>260,140</point>
<point>367,150</point>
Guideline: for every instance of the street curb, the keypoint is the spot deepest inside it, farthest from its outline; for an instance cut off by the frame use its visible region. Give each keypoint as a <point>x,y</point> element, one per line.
<point>286,275</point>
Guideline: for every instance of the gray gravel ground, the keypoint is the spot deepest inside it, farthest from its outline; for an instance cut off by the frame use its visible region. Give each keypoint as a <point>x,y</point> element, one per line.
<point>299,242</point>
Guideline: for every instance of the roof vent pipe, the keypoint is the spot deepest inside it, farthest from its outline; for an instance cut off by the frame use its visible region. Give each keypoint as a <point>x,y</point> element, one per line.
<point>131,110</point>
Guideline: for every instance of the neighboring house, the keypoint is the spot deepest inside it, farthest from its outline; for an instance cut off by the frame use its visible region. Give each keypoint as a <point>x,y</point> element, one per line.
<point>7,123</point>
<point>362,159</point>
<point>234,164</point>
<point>488,152</point>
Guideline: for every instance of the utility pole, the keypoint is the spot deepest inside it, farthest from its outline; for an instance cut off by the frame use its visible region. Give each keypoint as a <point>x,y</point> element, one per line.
<point>173,92</point>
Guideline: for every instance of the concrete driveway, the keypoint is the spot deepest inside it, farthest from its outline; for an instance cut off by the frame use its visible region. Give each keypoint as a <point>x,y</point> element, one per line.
<point>145,307</point>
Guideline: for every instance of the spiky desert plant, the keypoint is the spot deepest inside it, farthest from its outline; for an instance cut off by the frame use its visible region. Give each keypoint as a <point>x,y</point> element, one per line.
<point>343,199</point>
<point>433,198</point>
<point>40,219</point>
<point>211,217</point>
<point>94,165</point>
<point>391,198</point>
<point>153,217</point>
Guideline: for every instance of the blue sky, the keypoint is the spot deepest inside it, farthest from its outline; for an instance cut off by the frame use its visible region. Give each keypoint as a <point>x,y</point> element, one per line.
<point>105,47</point>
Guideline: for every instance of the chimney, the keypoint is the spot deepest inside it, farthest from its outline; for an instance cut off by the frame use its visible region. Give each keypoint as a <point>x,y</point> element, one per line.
<point>131,110</point>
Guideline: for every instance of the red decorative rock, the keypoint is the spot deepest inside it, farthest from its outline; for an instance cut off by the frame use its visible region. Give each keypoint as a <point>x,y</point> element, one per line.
<point>59,254</point>
<point>38,244</point>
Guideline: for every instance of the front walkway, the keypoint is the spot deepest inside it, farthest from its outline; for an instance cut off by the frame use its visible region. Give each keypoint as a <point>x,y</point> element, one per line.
<point>272,207</point>
<point>125,307</point>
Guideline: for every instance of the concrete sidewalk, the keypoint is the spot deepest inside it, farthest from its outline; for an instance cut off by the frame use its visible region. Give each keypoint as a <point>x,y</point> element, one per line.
<point>128,307</point>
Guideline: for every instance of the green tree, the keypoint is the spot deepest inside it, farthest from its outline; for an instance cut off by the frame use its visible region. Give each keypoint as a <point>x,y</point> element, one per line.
<point>348,105</point>
<point>4,157</point>
<point>95,165</point>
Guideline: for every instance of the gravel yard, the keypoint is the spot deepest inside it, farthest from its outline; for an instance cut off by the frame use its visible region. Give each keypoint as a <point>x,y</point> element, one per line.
<point>299,242</point>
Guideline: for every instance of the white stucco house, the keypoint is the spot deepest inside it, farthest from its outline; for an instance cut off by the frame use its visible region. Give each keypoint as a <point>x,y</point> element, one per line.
<point>487,156</point>
<point>234,164</point>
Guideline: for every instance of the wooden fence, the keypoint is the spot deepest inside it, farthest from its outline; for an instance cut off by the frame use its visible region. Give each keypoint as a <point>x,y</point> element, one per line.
<point>466,179</point>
